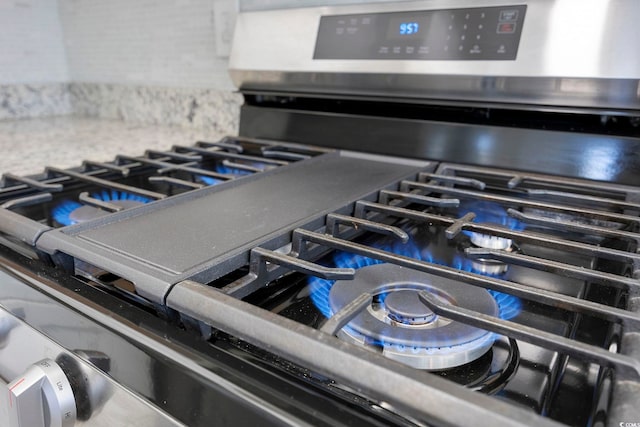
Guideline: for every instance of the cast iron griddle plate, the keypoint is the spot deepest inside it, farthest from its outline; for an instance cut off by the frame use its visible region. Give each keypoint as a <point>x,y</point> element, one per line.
<point>207,233</point>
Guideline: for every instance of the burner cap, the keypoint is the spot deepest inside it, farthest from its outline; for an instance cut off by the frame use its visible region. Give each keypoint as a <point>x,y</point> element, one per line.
<point>405,328</point>
<point>490,242</point>
<point>86,213</point>
<point>489,267</point>
<point>404,306</point>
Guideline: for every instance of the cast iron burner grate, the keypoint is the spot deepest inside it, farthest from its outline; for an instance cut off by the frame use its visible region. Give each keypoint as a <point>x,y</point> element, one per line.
<point>97,189</point>
<point>406,329</point>
<point>566,249</point>
<point>562,242</point>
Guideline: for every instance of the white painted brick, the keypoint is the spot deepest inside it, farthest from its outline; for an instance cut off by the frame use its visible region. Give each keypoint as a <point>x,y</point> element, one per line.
<point>31,48</point>
<point>143,42</point>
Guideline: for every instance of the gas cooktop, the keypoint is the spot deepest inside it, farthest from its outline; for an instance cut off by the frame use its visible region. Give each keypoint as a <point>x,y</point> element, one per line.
<point>431,217</point>
<point>512,285</point>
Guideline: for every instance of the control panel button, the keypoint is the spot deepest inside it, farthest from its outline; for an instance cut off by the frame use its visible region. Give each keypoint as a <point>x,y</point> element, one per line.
<point>508,15</point>
<point>506,28</point>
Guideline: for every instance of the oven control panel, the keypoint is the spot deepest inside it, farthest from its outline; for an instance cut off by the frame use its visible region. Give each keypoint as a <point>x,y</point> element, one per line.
<point>484,33</point>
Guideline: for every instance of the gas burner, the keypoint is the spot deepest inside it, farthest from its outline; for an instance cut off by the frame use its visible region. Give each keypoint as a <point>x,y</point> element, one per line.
<point>70,212</point>
<point>231,172</point>
<point>405,329</point>
<point>492,213</point>
<point>86,213</point>
<point>489,267</point>
<point>490,242</point>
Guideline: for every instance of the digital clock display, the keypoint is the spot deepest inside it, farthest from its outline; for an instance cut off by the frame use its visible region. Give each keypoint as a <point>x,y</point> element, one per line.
<point>408,28</point>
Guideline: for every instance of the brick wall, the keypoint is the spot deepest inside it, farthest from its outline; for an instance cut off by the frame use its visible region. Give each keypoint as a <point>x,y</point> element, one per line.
<point>31,46</point>
<point>143,42</point>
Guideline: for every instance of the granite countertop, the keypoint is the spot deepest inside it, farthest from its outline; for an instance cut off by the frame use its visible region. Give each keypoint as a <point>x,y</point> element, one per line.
<point>27,146</point>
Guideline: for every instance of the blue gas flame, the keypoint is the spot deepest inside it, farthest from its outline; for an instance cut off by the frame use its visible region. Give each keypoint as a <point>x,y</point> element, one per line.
<point>113,195</point>
<point>62,213</point>
<point>210,180</point>
<point>223,169</point>
<point>320,287</point>
<point>509,306</point>
<point>220,168</point>
<point>490,213</point>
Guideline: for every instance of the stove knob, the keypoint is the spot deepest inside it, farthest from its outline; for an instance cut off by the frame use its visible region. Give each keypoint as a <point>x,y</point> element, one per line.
<point>41,397</point>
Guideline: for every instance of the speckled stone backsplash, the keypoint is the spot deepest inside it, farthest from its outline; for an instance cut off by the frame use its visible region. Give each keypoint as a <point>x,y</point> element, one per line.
<point>27,146</point>
<point>196,108</point>
<point>187,107</point>
<point>34,100</point>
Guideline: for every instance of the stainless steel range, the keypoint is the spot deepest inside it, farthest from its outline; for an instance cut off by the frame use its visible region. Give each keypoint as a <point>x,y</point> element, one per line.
<point>430,217</point>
